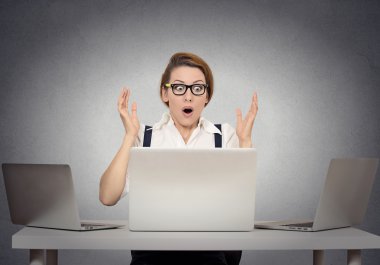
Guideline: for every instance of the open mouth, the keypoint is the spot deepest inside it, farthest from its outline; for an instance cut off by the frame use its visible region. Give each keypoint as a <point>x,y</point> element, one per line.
<point>187,110</point>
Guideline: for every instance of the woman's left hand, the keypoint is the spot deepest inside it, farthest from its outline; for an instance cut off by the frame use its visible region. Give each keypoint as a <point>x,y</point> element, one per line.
<point>244,127</point>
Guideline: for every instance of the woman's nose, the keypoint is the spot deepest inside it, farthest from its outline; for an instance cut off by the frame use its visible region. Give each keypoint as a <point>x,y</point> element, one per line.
<point>188,95</point>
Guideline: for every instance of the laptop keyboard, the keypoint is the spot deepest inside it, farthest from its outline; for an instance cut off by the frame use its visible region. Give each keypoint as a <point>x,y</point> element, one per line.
<point>90,225</point>
<point>310,224</point>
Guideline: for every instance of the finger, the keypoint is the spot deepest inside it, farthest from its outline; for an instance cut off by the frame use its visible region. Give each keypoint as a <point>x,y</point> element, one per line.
<point>238,118</point>
<point>252,111</point>
<point>253,107</point>
<point>121,96</point>
<point>123,106</point>
<point>121,101</point>
<point>134,118</point>
<point>134,110</point>
<point>250,121</point>
<point>127,98</point>
<point>256,100</point>
<point>122,91</point>
<point>247,116</point>
<point>124,103</point>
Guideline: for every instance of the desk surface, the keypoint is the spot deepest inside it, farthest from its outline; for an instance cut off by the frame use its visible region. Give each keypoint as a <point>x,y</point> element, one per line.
<point>258,239</point>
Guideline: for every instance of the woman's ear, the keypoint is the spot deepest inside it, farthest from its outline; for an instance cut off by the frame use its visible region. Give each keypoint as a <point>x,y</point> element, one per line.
<point>164,95</point>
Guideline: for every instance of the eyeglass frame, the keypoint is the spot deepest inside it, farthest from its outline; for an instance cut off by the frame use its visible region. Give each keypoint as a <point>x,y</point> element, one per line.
<point>168,85</point>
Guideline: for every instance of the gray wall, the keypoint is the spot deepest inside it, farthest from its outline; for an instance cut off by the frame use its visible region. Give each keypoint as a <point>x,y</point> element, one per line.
<point>314,64</point>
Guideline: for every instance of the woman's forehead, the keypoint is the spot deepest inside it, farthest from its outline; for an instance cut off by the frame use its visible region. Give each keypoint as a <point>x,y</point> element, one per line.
<point>187,74</point>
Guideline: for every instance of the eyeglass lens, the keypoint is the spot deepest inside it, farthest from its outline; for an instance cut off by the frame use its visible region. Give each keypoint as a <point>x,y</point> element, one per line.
<point>196,89</point>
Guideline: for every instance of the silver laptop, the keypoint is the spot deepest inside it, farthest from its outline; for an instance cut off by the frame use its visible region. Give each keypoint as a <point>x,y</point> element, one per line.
<point>191,189</point>
<point>43,196</point>
<point>344,199</point>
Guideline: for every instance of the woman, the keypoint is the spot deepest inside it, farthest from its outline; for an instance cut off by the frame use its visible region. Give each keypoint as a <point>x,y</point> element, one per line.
<point>186,88</point>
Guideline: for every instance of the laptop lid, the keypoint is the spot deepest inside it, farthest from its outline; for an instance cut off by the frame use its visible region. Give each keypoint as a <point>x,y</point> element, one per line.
<point>43,195</point>
<point>344,197</point>
<point>191,189</point>
<point>346,193</point>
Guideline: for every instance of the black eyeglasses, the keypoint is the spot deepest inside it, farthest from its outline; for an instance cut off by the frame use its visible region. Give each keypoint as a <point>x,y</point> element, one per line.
<point>180,89</point>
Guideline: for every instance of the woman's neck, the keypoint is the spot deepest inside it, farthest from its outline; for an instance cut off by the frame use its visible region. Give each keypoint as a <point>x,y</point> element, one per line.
<point>185,131</point>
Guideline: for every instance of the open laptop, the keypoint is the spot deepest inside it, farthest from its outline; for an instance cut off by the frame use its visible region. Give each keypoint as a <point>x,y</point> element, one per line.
<point>41,195</point>
<point>344,198</point>
<point>191,189</point>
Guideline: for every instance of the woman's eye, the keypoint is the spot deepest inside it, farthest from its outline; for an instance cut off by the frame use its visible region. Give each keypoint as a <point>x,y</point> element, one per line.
<point>179,88</point>
<point>197,88</point>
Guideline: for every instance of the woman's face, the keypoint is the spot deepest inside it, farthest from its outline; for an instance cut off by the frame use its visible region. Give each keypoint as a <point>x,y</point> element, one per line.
<point>185,109</point>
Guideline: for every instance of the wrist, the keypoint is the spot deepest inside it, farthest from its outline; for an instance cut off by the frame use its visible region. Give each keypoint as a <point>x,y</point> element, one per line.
<point>128,141</point>
<point>245,144</point>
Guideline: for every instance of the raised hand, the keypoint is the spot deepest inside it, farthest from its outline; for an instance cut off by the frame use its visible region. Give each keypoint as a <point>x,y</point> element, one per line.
<point>130,121</point>
<point>244,127</point>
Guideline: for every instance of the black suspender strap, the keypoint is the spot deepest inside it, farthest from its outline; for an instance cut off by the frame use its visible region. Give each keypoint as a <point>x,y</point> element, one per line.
<point>218,137</point>
<point>147,136</point>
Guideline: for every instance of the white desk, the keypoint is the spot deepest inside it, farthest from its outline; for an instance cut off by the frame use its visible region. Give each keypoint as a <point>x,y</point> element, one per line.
<point>45,243</point>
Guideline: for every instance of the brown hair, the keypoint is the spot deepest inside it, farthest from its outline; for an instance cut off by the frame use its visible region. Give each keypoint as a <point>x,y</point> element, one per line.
<point>192,60</point>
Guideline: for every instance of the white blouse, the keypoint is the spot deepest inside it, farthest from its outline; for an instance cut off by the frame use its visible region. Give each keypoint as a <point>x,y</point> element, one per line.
<point>166,135</point>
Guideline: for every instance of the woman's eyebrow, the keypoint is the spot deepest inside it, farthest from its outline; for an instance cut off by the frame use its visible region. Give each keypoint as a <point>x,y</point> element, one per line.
<point>184,82</point>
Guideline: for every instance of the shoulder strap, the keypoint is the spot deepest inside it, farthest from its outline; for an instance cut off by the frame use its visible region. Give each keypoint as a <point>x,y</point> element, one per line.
<point>218,137</point>
<point>147,136</point>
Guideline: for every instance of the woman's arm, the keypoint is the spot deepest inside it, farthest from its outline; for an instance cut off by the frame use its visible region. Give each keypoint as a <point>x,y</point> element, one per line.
<point>244,127</point>
<point>113,179</point>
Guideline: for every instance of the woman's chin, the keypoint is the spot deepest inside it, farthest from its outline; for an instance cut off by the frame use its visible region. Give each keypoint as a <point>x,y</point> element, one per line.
<point>186,119</point>
<point>189,121</point>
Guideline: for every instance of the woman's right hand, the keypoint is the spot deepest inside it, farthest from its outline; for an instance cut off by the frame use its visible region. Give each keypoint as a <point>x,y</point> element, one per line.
<point>130,121</point>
